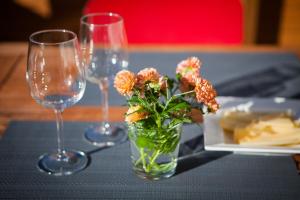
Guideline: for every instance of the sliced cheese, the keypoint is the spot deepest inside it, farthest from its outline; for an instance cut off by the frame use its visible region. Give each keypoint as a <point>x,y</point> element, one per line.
<point>274,131</point>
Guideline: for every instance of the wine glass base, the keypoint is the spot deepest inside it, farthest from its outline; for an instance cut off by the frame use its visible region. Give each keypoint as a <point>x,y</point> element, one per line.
<point>70,163</point>
<point>116,135</point>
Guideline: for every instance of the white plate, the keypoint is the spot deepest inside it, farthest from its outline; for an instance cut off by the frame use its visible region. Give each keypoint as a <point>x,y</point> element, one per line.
<point>216,140</point>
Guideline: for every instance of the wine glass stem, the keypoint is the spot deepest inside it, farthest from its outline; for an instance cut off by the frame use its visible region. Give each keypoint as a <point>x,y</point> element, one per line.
<point>104,86</point>
<point>60,136</point>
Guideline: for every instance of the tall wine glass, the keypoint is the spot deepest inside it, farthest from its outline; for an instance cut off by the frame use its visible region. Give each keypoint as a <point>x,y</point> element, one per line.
<point>104,46</point>
<point>56,79</point>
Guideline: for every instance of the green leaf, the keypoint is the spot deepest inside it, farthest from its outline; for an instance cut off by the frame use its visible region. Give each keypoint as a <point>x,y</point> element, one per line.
<point>178,76</point>
<point>143,142</point>
<point>134,100</point>
<point>178,107</point>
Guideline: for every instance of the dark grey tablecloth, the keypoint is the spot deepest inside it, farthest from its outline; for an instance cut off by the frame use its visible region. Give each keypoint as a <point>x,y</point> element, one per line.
<point>233,74</point>
<point>207,175</point>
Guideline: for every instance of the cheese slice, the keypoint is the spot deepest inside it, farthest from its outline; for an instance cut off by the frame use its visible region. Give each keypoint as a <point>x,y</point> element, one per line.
<point>240,119</point>
<point>270,132</point>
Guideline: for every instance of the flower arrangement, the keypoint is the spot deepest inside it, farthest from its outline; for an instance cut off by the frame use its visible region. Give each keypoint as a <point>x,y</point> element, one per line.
<point>158,106</point>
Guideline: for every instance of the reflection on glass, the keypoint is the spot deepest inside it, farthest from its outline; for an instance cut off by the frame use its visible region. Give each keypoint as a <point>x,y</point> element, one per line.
<point>56,79</point>
<point>104,48</point>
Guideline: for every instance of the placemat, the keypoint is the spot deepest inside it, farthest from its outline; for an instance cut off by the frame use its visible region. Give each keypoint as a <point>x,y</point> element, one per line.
<point>206,175</point>
<point>233,74</point>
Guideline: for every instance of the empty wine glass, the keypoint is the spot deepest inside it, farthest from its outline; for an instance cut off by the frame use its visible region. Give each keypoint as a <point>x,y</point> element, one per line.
<point>56,79</point>
<point>104,46</point>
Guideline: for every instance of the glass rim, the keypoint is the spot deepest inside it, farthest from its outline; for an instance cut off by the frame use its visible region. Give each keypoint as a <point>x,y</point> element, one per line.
<point>110,14</point>
<point>74,36</point>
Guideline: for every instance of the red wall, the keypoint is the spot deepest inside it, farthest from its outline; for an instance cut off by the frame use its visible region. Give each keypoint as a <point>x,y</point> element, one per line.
<point>171,21</point>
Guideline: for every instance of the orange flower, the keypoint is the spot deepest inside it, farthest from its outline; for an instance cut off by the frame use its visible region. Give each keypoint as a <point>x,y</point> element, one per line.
<point>189,68</point>
<point>124,82</point>
<point>206,94</point>
<point>133,114</point>
<point>186,84</point>
<point>213,105</point>
<point>163,83</point>
<point>147,75</point>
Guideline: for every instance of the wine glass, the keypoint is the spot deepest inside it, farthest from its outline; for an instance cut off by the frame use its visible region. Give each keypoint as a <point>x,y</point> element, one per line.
<point>104,47</point>
<point>56,79</point>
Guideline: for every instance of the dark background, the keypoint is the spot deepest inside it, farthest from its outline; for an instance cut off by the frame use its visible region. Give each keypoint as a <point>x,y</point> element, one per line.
<point>17,22</point>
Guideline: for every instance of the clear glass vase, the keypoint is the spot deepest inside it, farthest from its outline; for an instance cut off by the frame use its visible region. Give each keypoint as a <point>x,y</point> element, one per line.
<point>154,157</point>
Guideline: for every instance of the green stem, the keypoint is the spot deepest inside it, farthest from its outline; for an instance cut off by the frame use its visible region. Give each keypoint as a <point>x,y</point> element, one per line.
<point>168,91</point>
<point>177,95</point>
<point>174,90</point>
<point>158,122</point>
<point>143,159</point>
<point>154,156</point>
<point>184,93</point>
<point>152,160</point>
<point>137,161</point>
<point>168,101</point>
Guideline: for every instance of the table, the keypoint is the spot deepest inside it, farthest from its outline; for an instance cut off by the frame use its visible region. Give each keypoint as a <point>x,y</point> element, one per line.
<point>208,175</point>
<point>16,103</point>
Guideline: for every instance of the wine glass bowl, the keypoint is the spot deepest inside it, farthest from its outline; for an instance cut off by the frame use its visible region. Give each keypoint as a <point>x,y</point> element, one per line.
<point>56,80</point>
<point>103,43</point>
